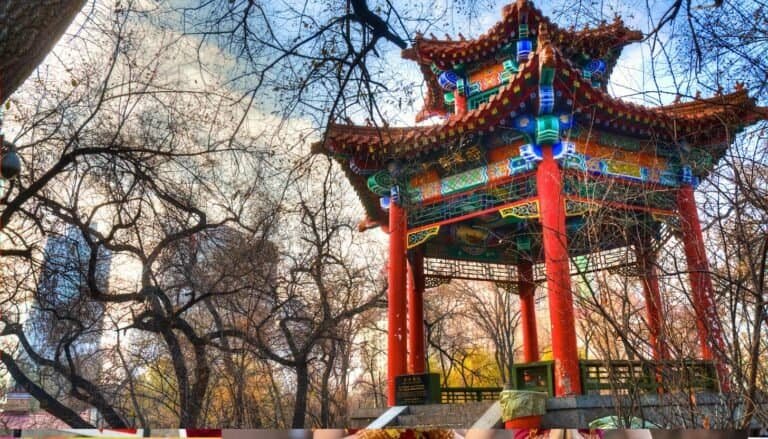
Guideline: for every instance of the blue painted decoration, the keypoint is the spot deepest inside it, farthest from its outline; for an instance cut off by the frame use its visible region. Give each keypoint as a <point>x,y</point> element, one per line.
<point>524,48</point>
<point>596,66</point>
<point>384,202</point>
<point>448,80</point>
<point>546,99</point>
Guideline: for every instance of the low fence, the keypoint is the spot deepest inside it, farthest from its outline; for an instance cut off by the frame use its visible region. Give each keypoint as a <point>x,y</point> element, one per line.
<point>460,395</point>
<point>622,377</point>
<point>601,377</point>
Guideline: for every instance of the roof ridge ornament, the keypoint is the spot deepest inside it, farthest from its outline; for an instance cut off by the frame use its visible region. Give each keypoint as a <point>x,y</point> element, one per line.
<point>544,47</point>
<point>543,37</point>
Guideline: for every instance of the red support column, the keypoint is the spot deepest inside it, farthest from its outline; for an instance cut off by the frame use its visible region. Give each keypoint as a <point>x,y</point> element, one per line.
<point>416,352</point>
<point>707,321</point>
<point>528,312</point>
<point>396,312</point>
<point>460,101</point>
<point>549,183</point>
<point>652,302</point>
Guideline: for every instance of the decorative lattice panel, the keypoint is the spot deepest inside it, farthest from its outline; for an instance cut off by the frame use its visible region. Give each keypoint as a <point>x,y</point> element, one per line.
<point>620,260</point>
<point>469,270</point>
<point>438,271</point>
<point>434,282</point>
<point>472,203</point>
<point>608,190</point>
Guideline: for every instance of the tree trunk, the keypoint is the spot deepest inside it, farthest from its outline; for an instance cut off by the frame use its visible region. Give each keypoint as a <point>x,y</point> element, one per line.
<point>325,391</point>
<point>52,406</point>
<point>276,400</point>
<point>182,378</point>
<point>302,390</point>
<point>200,387</point>
<point>754,355</point>
<point>30,30</point>
<point>346,359</point>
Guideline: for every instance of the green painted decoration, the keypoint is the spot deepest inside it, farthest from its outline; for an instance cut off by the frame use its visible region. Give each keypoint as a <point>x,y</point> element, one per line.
<point>547,130</point>
<point>380,183</point>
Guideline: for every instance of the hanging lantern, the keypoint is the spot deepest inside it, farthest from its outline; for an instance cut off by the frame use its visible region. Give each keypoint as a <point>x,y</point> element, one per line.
<point>10,165</point>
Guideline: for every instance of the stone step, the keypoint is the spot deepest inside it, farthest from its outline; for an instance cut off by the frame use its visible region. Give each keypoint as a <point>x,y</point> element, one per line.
<point>417,422</point>
<point>470,408</point>
<point>443,415</point>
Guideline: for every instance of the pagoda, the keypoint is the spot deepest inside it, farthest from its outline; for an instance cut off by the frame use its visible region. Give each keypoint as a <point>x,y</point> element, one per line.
<point>531,165</point>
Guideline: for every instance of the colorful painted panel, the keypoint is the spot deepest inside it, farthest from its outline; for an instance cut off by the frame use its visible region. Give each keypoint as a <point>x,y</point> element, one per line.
<point>524,210</point>
<point>486,78</point>
<point>492,255</point>
<point>467,155</point>
<point>478,203</point>
<point>617,168</point>
<point>420,236</point>
<point>464,181</point>
<point>607,152</point>
<point>423,178</point>
<point>425,192</point>
<point>498,170</point>
<point>624,169</point>
<point>623,142</point>
<point>504,152</point>
<point>578,207</point>
<point>640,166</point>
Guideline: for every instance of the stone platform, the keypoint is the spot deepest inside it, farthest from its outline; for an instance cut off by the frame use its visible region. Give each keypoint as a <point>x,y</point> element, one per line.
<point>666,411</point>
<point>456,416</point>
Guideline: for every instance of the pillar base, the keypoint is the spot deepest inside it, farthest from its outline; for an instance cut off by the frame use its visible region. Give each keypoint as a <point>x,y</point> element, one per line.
<point>524,423</point>
<point>522,408</point>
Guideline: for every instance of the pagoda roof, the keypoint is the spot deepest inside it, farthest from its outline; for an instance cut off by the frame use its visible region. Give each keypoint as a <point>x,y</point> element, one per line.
<point>596,42</point>
<point>385,142</point>
<point>390,142</point>
<point>701,122</point>
<point>671,122</point>
<point>604,42</point>
<point>715,106</point>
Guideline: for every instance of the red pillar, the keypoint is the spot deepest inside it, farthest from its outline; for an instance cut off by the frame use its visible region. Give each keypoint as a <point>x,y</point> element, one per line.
<point>396,312</point>
<point>460,101</point>
<point>528,312</point>
<point>549,183</point>
<point>707,320</point>
<point>416,352</point>
<point>652,297</point>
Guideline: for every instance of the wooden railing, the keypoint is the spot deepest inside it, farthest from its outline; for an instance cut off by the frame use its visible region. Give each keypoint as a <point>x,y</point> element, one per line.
<point>460,395</point>
<point>599,377</point>
<point>630,377</point>
<point>621,377</point>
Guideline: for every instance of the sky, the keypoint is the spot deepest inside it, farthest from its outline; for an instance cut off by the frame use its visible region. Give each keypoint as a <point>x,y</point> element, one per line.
<point>183,67</point>
<point>629,77</point>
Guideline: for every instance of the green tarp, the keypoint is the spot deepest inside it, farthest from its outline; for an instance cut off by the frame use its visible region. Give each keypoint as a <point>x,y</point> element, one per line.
<point>612,422</point>
<point>520,403</point>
